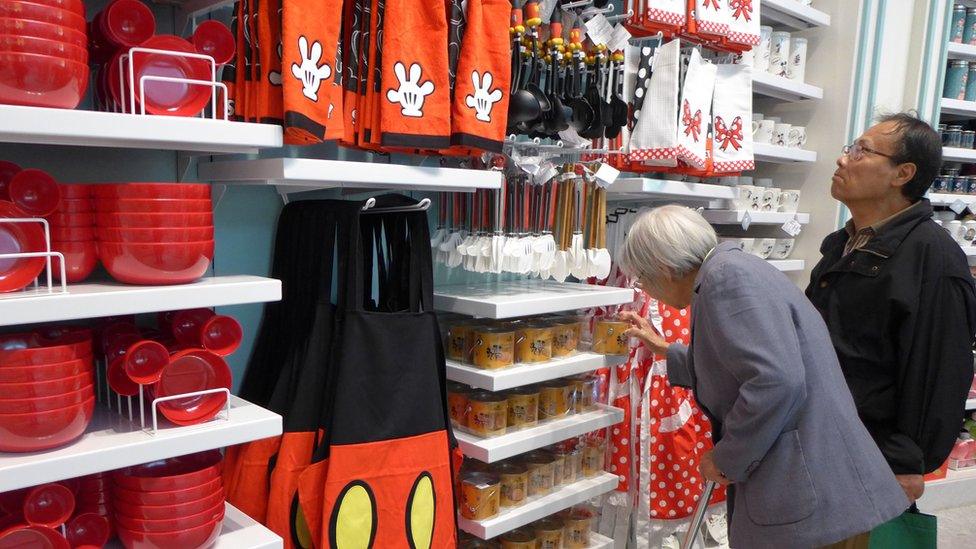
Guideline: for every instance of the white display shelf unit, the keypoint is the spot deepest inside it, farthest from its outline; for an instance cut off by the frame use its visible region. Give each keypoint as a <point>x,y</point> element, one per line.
<point>598,541</point>
<point>775,154</point>
<point>238,531</point>
<point>527,374</point>
<point>306,174</point>
<point>959,108</point>
<point>533,510</point>
<point>490,450</point>
<point>958,489</point>
<point>792,15</point>
<point>112,441</point>
<point>962,51</point>
<point>638,188</point>
<point>735,217</point>
<point>44,126</point>
<point>525,297</point>
<point>99,299</point>
<point>788,265</point>
<point>948,199</point>
<point>957,154</point>
<point>970,252</point>
<point>778,87</point>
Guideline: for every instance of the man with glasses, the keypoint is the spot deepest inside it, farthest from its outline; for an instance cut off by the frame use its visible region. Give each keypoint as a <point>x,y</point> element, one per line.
<point>898,298</point>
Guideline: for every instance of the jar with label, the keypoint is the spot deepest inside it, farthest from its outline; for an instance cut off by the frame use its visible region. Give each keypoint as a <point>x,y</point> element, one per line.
<point>957,28</point>
<point>609,338</point>
<point>969,32</point>
<point>594,455</point>
<point>457,403</point>
<point>514,479</point>
<point>533,342</point>
<point>480,496</point>
<point>955,136</point>
<point>960,185</point>
<point>576,458</point>
<point>467,541</point>
<point>955,81</point>
<point>521,538</point>
<point>549,533</point>
<point>971,184</point>
<point>578,526</point>
<point>939,184</point>
<point>969,136</point>
<point>564,454</point>
<point>555,399</point>
<point>558,466</point>
<point>540,467</point>
<point>565,335</point>
<point>523,407</point>
<point>487,413</point>
<point>494,347</point>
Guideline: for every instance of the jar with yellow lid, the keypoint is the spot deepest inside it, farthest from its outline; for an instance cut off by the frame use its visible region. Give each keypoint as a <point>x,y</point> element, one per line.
<point>609,338</point>
<point>523,407</point>
<point>487,413</point>
<point>493,347</point>
<point>533,342</point>
<point>555,399</point>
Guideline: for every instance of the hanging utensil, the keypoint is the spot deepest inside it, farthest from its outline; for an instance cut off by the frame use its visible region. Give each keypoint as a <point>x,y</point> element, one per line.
<point>498,238</point>
<point>618,107</point>
<point>443,204</point>
<point>577,253</point>
<point>582,111</point>
<point>603,261</point>
<point>522,105</point>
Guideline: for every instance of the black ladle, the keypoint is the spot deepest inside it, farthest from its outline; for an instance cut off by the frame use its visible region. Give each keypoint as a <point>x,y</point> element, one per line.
<point>592,97</point>
<point>618,107</point>
<point>557,119</point>
<point>582,111</point>
<point>522,105</point>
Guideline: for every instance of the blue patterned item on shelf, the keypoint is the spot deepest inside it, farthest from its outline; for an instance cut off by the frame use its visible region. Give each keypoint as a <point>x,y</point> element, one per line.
<point>969,33</point>
<point>958,23</point>
<point>956,76</point>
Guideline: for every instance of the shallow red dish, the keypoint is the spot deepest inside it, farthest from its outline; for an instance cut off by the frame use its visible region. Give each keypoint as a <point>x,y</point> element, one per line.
<point>26,27</point>
<point>71,219</point>
<point>45,404</point>
<point>74,205</point>
<point>149,236</point>
<point>44,430</point>
<point>166,497</point>
<point>216,512</point>
<point>213,38</point>
<point>127,23</point>
<point>144,361</point>
<point>170,512</point>
<point>88,529</point>
<point>41,80</point>
<point>189,371</point>
<point>201,536</point>
<point>48,505</point>
<point>64,334</point>
<point>30,349</point>
<point>118,380</point>
<point>153,205</point>
<point>47,372</point>
<point>34,191</point>
<point>160,263</point>
<point>186,324</point>
<point>72,234</point>
<point>153,220</point>
<point>45,14</point>
<point>76,6</point>
<point>167,475</point>
<point>171,98</point>
<point>43,46</point>
<point>33,537</point>
<point>40,389</point>
<point>144,191</point>
<point>15,273</point>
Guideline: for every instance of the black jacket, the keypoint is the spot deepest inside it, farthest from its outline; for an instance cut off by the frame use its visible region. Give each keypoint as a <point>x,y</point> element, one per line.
<point>902,315</point>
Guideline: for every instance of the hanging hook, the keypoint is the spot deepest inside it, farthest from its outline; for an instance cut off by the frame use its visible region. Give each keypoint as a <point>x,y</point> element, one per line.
<point>578,4</point>
<point>597,11</point>
<point>621,17</point>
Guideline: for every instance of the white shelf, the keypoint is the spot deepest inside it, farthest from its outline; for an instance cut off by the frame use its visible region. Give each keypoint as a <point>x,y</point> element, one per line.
<point>959,107</point>
<point>490,450</point>
<point>735,217</point>
<point>792,15</point>
<point>962,51</point>
<point>788,265</point>
<point>598,541</point>
<point>971,404</point>
<point>563,498</point>
<point>637,188</point>
<point>526,297</point>
<point>527,374</point>
<point>957,154</point>
<point>306,174</point>
<point>778,87</point>
<point>958,489</point>
<point>948,199</point>
<point>111,442</point>
<point>238,531</point>
<point>764,152</point>
<point>131,131</point>
<point>98,299</point>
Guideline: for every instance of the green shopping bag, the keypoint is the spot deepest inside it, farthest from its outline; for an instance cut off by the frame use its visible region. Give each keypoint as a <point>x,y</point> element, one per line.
<point>910,530</point>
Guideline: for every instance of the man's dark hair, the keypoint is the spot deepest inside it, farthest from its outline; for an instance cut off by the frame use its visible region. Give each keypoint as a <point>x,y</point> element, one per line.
<point>918,144</point>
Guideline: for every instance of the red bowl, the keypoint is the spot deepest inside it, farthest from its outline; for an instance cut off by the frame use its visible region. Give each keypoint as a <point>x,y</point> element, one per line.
<point>152,190</point>
<point>34,191</point>
<point>158,263</point>
<point>168,475</point>
<point>215,512</point>
<point>45,404</point>
<point>71,219</point>
<point>16,273</point>
<point>74,206</point>
<point>170,512</point>
<point>118,380</point>
<point>173,99</point>
<point>201,536</point>
<point>44,430</point>
<point>186,324</point>
<point>72,234</point>
<point>49,505</point>
<point>190,371</point>
<point>46,372</point>
<point>7,172</point>
<point>41,81</point>
<point>40,389</point>
<point>43,46</point>
<point>76,191</point>
<point>153,205</point>
<point>127,23</point>
<point>26,27</point>
<point>76,6</point>
<point>150,236</point>
<point>33,537</point>
<point>94,496</point>
<point>123,496</point>
<point>80,259</point>
<point>153,220</point>
<point>45,14</point>
<point>213,38</point>
<point>221,335</point>
<point>88,529</point>
<point>29,349</point>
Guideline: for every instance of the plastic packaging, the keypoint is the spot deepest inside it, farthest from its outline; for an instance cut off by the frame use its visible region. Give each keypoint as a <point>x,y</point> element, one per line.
<point>609,338</point>
<point>578,526</point>
<point>487,413</point>
<point>457,403</point>
<point>523,407</point>
<point>514,479</point>
<point>493,347</point>
<point>549,533</point>
<point>521,538</point>
<point>480,496</point>
<point>594,456</point>
<point>555,399</point>
<point>533,342</point>
<point>540,467</point>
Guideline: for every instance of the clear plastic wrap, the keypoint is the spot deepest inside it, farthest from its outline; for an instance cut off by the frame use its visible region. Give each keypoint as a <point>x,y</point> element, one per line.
<point>480,495</point>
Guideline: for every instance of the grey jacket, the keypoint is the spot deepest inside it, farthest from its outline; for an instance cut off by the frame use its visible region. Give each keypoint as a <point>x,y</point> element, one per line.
<point>806,472</point>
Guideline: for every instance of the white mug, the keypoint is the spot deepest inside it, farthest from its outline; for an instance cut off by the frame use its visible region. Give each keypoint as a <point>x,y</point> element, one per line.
<point>745,196</point>
<point>798,136</point>
<point>779,54</point>
<point>969,232</point>
<point>770,199</point>
<point>783,248</point>
<point>748,244</point>
<point>757,117</point>
<point>760,61</point>
<point>798,59</point>
<point>764,247</point>
<point>956,230</point>
<point>789,201</point>
<point>762,132</point>
<point>736,241</point>
<point>781,134</point>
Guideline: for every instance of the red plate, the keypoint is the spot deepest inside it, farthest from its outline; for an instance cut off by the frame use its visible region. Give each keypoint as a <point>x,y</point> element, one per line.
<point>142,191</point>
<point>17,238</point>
<point>80,259</point>
<point>74,205</point>
<point>40,389</point>
<point>45,14</point>
<point>7,172</point>
<point>162,263</point>
<point>127,23</point>
<point>186,324</point>
<point>213,38</point>
<point>31,349</point>
<point>144,361</point>
<point>153,205</point>
<point>25,27</point>
<point>151,236</point>
<point>88,529</point>
<point>118,380</point>
<point>167,525</point>
<point>169,512</point>
<point>72,219</point>
<point>45,404</point>
<point>41,80</point>
<point>43,46</point>
<point>201,536</point>
<point>43,430</point>
<point>47,372</point>
<point>153,220</point>
<point>189,371</point>
<point>33,537</point>
<point>171,98</point>
<point>177,473</point>
<point>166,497</point>
<point>48,505</point>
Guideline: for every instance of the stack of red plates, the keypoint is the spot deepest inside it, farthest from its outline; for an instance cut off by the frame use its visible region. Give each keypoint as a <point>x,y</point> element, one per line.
<point>47,395</point>
<point>73,233</point>
<point>174,503</point>
<point>43,55</point>
<point>154,233</point>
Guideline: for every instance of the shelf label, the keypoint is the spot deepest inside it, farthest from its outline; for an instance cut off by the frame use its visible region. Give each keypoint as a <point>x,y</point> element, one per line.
<point>958,206</point>
<point>606,175</point>
<point>792,227</point>
<point>599,29</point>
<point>746,221</point>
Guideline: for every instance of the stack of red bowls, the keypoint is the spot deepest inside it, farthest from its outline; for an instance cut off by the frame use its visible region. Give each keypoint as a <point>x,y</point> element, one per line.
<point>154,233</point>
<point>47,392</point>
<point>94,496</point>
<point>73,233</point>
<point>173,503</point>
<point>43,54</point>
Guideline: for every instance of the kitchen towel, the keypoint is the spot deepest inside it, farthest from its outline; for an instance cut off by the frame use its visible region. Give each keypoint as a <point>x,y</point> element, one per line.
<point>667,12</point>
<point>655,137</point>
<point>712,17</point>
<point>744,22</point>
<point>696,110</point>
<point>732,118</point>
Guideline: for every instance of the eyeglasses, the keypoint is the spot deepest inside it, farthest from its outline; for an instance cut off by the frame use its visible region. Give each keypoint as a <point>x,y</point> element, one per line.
<point>855,151</point>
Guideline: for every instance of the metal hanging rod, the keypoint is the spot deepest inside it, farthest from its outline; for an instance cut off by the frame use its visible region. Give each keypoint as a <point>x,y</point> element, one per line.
<point>421,206</point>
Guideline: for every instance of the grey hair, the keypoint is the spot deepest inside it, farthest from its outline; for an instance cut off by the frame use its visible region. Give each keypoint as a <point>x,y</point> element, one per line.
<point>665,243</point>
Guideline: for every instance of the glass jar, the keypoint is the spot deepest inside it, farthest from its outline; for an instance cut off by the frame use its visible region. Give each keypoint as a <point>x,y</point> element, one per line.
<point>969,32</point>
<point>494,347</point>
<point>940,185</point>
<point>971,184</point>
<point>487,413</point>
<point>960,185</point>
<point>958,25</point>
<point>523,407</point>
<point>955,136</point>
<point>955,80</point>
<point>514,482</point>
<point>968,138</point>
<point>480,496</point>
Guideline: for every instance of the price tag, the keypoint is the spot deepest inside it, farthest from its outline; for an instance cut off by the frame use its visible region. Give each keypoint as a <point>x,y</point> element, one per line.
<point>546,172</point>
<point>599,29</point>
<point>792,227</point>
<point>619,39</point>
<point>606,175</point>
<point>958,206</point>
<point>746,221</point>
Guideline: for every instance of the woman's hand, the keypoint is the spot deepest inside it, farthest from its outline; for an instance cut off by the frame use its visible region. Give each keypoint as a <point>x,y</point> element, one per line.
<point>644,331</point>
<point>710,471</point>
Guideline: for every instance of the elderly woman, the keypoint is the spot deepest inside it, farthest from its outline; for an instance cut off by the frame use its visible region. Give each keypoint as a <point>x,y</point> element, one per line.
<point>801,468</point>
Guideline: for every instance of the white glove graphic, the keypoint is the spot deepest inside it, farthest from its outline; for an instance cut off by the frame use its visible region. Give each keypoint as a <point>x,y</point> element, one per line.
<point>482,100</point>
<point>410,95</point>
<point>309,72</point>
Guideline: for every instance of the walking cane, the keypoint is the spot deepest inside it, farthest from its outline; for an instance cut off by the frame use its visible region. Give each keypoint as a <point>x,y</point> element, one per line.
<point>699,517</point>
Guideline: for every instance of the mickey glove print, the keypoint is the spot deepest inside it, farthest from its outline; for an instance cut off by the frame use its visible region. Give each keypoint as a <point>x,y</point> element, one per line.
<point>309,72</point>
<point>482,100</point>
<point>410,95</point>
